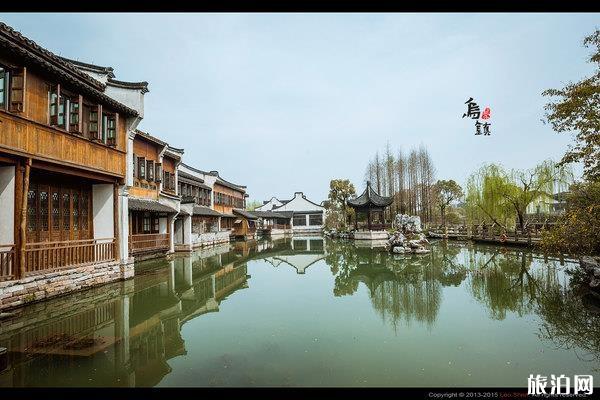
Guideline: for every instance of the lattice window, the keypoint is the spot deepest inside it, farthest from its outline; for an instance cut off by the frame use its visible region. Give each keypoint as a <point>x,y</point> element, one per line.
<point>32,209</point>
<point>66,211</point>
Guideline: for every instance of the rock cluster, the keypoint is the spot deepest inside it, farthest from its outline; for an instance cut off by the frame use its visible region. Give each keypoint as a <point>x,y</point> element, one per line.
<point>341,235</point>
<point>408,237</point>
<point>591,266</point>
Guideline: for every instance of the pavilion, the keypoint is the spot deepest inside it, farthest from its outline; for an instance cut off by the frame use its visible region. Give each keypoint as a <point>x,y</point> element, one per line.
<point>373,205</point>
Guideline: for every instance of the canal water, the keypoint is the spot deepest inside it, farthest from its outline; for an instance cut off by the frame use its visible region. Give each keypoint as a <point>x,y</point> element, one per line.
<point>313,312</point>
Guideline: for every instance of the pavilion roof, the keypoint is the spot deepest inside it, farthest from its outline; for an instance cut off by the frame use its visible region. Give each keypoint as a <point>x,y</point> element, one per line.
<point>370,198</point>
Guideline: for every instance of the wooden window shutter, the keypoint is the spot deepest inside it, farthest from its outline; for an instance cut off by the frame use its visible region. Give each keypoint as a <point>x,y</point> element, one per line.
<point>75,114</point>
<point>150,170</point>
<point>80,125</point>
<point>99,132</point>
<point>53,96</point>
<point>17,90</point>
<point>94,124</point>
<point>135,166</point>
<point>142,167</point>
<point>116,131</point>
<point>158,172</point>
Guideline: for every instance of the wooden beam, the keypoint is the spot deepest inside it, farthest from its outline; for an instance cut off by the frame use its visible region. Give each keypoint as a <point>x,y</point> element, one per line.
<point>23,232</point>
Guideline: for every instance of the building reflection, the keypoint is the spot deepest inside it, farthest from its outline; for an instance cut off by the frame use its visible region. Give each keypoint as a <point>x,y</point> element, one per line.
<point>298,253</point>
<point>125,333</point>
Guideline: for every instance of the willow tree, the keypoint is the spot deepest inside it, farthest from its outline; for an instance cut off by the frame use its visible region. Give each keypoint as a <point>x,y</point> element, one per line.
<point>502,196</point>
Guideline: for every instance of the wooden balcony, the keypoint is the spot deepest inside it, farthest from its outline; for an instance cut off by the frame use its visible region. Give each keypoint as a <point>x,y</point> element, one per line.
<point>31,139</point>
<point>50,256</point>
<point>143,243</point>
<point>7,262</point>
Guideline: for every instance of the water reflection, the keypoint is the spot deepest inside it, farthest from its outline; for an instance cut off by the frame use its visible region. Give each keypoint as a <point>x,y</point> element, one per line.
<point>125,334</point>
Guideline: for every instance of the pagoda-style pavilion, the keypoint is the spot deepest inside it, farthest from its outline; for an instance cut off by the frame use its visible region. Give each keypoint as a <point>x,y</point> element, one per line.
<point>373,205</point>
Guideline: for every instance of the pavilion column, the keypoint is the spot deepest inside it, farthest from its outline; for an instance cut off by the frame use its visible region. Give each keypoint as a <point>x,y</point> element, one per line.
<point>369,219</point>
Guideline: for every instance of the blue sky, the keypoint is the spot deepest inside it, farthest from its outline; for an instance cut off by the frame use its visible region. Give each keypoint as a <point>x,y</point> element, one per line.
<point>286,102</point>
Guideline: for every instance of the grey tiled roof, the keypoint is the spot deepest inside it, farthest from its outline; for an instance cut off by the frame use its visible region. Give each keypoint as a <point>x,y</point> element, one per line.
<point>270,214</point>
<point>149,205</point>
<point>205,211</point>
<point>370,197</point>
<point>244,213</point>
<point>14,42</point>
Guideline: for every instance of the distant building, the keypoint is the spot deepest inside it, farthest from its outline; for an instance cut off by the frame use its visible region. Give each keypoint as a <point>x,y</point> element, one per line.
<point>269,204</point>
<point>307,216</point>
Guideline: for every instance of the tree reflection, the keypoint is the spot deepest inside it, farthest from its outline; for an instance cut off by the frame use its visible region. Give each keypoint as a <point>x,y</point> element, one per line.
<point>570,319</point>
<point>404,289</point>
<point>401,288</point>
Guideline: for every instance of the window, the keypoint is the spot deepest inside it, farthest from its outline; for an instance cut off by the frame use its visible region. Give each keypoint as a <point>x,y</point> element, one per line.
<point>74,109</point>
<point>150,169</point>
<point>315,219</point>
<point>141,168</point>
<point>109,129</point>
<point>299,220</point>
<point>158,172</point>
<point>93,124</point>
<point>4,79</point>
<point>17,91</point>
<point>146,223</point>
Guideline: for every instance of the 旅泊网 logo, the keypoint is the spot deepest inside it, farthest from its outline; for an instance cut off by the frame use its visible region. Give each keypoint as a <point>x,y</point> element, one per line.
<point>540,385</point>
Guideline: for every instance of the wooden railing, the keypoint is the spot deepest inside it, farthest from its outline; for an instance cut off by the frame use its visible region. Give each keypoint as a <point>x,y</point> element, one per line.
<point>48,256</point>
<point>149,241</point>
<point>7,262</point>
<point>488,233</point>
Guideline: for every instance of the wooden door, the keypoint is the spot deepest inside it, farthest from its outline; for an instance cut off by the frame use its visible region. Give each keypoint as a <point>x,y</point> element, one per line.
<point>58,212</point>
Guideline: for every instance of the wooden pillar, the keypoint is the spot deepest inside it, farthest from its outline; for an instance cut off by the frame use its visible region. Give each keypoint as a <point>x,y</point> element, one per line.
<point>17,216</point>
<point>355,219</point>
<point>369,218</point>
<point>116,221</point>
<point>23,221</point>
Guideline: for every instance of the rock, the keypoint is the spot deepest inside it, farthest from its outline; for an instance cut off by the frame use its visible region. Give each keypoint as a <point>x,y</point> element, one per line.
<point>597,272</point>
<point>422,250</point>
<point>594,283</point>
<point>398,250</point>
<point>414,244</point>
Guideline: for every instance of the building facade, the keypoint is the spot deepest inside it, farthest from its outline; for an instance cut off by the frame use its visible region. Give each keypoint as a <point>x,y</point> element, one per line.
<point>63,167</point>
<point>307,216</point>
<point>202,224</point>
<point>153,199</point>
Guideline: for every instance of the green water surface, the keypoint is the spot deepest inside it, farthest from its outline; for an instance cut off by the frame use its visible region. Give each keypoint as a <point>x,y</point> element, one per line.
<point>311,311</point>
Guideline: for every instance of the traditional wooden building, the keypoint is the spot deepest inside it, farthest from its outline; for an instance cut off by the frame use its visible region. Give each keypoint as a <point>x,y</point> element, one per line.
<point>153,199</point>
<point>226,197</point>
<point>244,225</point>
<point>63,165</point>
<point>205,224</point>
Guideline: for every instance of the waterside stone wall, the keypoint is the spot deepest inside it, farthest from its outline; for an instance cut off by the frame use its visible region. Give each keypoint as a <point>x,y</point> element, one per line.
<point>16,293</point>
